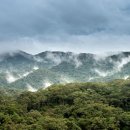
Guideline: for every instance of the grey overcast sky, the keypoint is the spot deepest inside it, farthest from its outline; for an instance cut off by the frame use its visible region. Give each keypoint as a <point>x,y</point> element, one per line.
<point>93,26</point>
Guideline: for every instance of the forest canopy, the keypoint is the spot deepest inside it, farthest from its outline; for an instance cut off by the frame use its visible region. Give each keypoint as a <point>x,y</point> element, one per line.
<point>74,106</point>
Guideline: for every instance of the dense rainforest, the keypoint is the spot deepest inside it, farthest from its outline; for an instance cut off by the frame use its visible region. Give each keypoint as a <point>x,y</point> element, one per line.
<point>74,106</point>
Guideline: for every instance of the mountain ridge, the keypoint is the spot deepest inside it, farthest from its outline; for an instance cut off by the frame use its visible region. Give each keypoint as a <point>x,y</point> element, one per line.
<point>52,67</point>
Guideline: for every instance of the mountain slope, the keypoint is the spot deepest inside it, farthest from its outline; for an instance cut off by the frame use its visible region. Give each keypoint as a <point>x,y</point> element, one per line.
<point>19,69</point>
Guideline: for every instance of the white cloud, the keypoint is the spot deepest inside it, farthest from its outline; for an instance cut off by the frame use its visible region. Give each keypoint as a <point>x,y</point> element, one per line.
<point>35,68</point>
<point>126,77</point>
<point>38,59</point>
<point>71,25</point>
<point>57,59</point>
<point>66,79</point>
<point>46,84</point>
<point>30,88</point>
<point>73,58</point>
<point>91,78</point>
<point>103,56</point>
<point>54,57</point>
<point>10,77</point>
<point>101,73</point>
<point>25,74</point>
<point>120,64</point>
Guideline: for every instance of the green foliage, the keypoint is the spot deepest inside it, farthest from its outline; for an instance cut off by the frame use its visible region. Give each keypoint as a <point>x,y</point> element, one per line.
<point>75,106</point>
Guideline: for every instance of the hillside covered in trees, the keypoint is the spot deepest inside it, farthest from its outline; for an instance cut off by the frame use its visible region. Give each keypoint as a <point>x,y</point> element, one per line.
<point>74,106</point>
<point>23,71</point>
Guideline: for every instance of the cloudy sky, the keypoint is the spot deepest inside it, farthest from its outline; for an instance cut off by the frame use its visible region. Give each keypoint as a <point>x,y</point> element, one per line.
<point>93,26</point>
